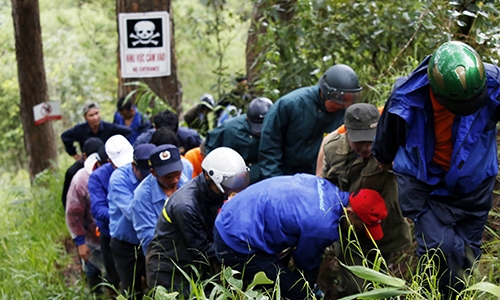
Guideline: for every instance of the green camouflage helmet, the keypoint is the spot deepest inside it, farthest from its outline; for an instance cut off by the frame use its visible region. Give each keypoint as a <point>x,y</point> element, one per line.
<point>457,77</point>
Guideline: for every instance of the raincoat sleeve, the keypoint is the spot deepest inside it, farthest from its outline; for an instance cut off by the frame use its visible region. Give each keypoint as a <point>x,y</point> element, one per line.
<point>391,133</point>
<point>271,141</point>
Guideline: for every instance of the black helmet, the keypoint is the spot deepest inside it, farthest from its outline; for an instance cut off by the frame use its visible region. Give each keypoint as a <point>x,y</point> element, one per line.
<point>256,112</point>
<point>340,84</point>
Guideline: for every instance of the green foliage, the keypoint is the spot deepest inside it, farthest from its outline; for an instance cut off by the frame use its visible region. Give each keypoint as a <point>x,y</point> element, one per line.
<point>423,284</point>
<point>32,257</point>
<point>489,264</point>
<point>223,285</point>
<point>146,100</point>
<point>160,293</point>
<point>485,287</point>
<point>372,275</point>
<point>78,39</point>
<point>12,151</point>
<point>83,67</point>
<point>375,38</point>
<point>210,45</point>
<point>381,40</point>
<point>80,43</point>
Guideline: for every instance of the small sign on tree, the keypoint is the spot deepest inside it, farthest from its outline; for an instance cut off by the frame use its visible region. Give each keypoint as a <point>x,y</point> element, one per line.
<point>144,44</point>
<point>47,111</point>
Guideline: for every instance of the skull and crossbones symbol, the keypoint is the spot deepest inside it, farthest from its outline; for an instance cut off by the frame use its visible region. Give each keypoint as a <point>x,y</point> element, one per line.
<point>144,33</point>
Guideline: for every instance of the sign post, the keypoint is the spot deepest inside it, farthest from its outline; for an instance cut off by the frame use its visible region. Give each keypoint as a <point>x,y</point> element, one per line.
<point>144,44</point>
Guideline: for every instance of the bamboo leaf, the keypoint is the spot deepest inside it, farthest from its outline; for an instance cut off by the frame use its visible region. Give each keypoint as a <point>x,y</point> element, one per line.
<point>381,293</point>
<point>485,287</point>
<point>138,83</point>
<point>469,14</point>
<point>372,275</point>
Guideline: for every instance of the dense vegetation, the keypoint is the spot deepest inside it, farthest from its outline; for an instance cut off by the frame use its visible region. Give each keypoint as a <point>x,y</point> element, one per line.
<point>381,40</point>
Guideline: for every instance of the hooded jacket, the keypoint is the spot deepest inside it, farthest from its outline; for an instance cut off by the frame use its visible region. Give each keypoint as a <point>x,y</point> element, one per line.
<point>405,135</point>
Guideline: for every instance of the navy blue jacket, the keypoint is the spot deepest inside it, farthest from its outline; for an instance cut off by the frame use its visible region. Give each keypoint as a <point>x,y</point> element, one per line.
<point>188,138</point>
<point>139,124</point>
<point>81,132</point>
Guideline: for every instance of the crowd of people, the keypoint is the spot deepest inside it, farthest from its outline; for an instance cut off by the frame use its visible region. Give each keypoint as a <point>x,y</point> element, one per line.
<point>266,187</point>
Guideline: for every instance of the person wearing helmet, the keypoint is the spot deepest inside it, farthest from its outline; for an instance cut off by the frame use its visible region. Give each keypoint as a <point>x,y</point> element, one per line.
<point>296,124</point>
<point>184,232</point>
<point>197,117</point>
<point>438,133</point>
<point>242,134</point>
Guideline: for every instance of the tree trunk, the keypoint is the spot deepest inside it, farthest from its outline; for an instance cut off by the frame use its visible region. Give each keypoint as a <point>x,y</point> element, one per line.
<point>168,87</point>
<point>286,11</point>
<point>39,140</point>
<point>252,51</point>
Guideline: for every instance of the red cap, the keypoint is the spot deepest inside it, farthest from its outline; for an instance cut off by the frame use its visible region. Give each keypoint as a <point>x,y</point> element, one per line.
<point>370,208</point>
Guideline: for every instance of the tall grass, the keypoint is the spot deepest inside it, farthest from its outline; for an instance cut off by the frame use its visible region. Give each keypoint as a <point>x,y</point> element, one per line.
<point>33,258</point>
<point>421,282</point>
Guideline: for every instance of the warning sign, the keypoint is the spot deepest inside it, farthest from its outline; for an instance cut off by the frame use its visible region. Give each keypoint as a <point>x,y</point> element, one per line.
<point>144,44</point>
<point>47,111</point>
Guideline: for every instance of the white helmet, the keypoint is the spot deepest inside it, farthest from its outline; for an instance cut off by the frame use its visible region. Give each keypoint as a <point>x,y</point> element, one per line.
<point>207,100</point>
<point>227,169</point>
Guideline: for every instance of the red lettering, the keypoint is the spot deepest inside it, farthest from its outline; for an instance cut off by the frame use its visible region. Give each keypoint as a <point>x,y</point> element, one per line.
<point>140,57</point>
<point>130,58</point>
<point>150,57</point>
<point>161,56</point>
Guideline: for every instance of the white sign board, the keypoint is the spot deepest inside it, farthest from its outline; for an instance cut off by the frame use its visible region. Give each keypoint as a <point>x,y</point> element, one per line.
<point>47,111</point>
<point>144,44</point>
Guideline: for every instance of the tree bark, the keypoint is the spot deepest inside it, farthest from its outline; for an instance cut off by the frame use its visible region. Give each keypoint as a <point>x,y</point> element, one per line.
<point>286,11</point>
<point>252,51</point>
<point>168,87</point>
<point>39,140</point>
